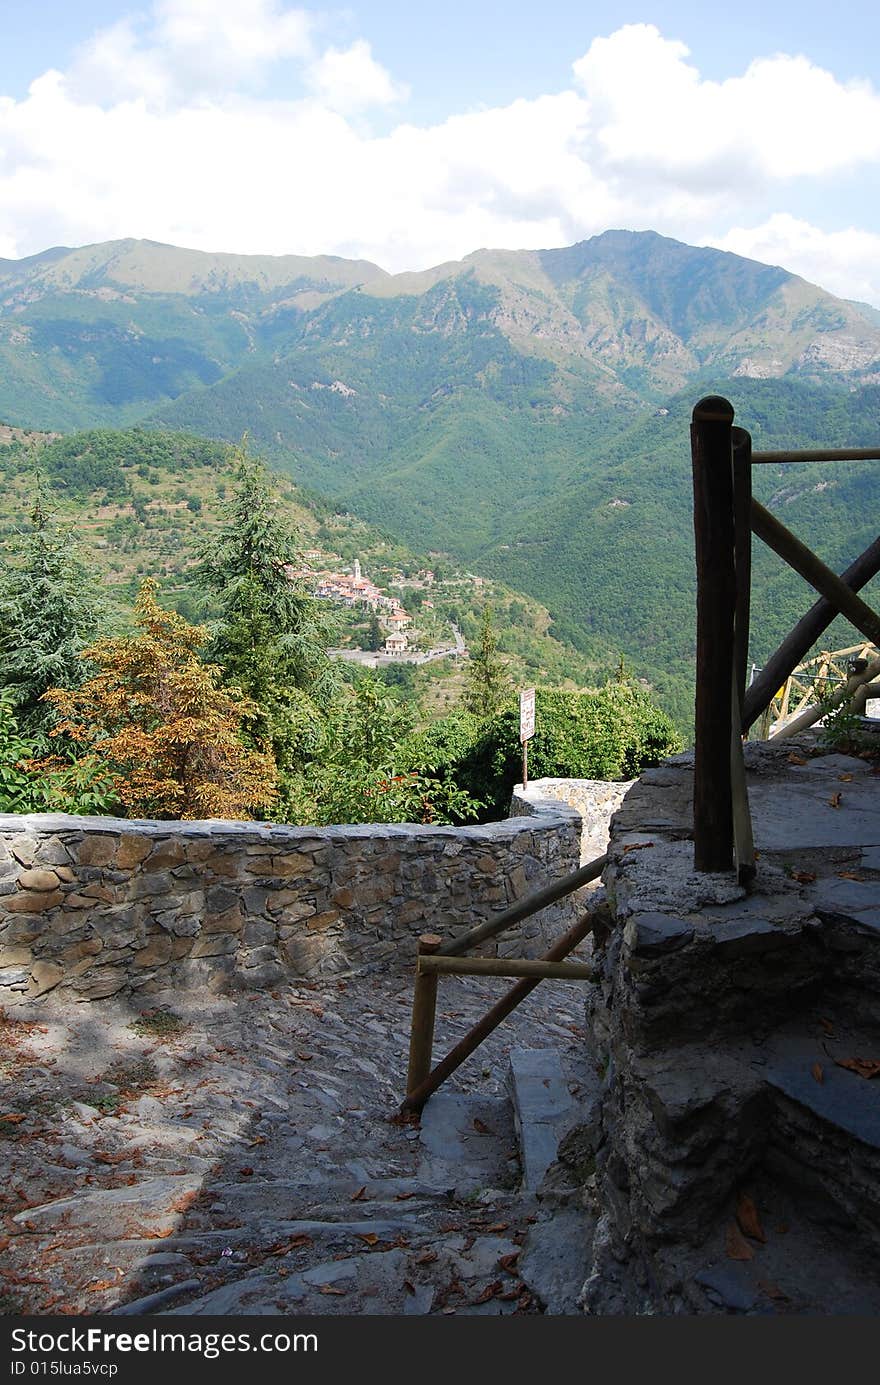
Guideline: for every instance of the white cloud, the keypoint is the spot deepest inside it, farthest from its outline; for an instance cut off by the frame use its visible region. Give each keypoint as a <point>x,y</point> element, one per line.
<point>654,116</point>
<point>186,49</point>
<point>846,262</point>
<point>350,79</point>
<point>161,129</point>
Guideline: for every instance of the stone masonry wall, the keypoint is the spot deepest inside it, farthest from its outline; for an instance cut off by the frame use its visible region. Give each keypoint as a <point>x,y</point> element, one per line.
<point>99,906</point>
<point>595,800</point>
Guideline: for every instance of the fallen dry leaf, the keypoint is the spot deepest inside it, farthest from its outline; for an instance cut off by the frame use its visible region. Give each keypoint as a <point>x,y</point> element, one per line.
<point>360,1195</point>
<point>845,778</point>
<point>804,877</point>
<point>636,846</point>
<point>773,1291</point>
<point>246,1172</point>
<point>490,1291</point>
<point>257,1140</point>
<point>864,1067</point>
<point>481,1127</point>
<point>409,1286</point>
<point>736,1245</point>
<point>369,1236</point>
<point>427,1257</point>
<point>818,1072</point>
<point>331,1289</point>
<point>508,1262</point>
<point>748,1219</point>
<point>306,1057</point>
<point>403,1197</point>
<point>15,1117</point>
<point>796,759</point>
<point>850,875</point>
<point>834,800</point>
<point>513,1292</point>
<point>282,1247</point>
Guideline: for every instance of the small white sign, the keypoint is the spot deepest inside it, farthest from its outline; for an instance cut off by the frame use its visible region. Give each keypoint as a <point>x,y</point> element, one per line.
<point>527,714</point>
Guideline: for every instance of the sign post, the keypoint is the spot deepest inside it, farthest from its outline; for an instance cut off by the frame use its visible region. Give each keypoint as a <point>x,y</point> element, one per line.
<point>526,728</point>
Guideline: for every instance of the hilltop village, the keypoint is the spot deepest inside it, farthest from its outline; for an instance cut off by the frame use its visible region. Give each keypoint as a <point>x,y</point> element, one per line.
<point>350,588</point>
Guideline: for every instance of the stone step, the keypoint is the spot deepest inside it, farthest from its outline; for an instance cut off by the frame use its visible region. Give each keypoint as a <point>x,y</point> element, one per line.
<point>825,1130</point>
<point>547,1105</point>
<point>468,1143</point>
<point>556,1259</point>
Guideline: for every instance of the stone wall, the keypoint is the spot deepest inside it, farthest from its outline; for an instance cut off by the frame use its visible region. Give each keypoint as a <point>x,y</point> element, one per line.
<point>98,906</point>
<point>723,1029</point>
<point>595,800</point>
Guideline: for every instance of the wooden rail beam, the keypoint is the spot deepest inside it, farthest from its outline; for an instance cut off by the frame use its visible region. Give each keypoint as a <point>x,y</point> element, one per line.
<point>820,454</point>
<point>795,646</point>
<point>813,570</point>
<point>416,1098</point>
<point>506,966</point>
<point>524,908</point>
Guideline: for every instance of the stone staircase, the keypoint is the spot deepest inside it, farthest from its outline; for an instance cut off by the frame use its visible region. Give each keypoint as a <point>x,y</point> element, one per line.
<point>467,1227</point>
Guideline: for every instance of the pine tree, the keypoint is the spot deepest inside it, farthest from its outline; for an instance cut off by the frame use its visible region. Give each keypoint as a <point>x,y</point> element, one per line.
<point>48,612</point>
<point>488,682</point>
<point>374,634</point>
<point>271,637</point>
<point>153,717</point>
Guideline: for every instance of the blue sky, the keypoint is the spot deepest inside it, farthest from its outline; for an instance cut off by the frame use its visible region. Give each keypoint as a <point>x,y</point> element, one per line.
<point>408,136</point>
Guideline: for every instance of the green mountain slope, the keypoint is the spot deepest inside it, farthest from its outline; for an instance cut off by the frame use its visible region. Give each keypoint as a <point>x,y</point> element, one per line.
<point>612,558</point>
<point>525,411</point>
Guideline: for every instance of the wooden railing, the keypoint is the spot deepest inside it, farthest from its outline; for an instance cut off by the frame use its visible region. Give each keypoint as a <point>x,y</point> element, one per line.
<point>438,957</point>
<point>725,517</point>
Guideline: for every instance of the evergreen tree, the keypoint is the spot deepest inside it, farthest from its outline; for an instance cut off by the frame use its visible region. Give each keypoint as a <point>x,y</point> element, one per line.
<point>48,612</point>
<point>488,682</point>
<point>270,639</point>
<point>374,635</point>
<point>154,720</point>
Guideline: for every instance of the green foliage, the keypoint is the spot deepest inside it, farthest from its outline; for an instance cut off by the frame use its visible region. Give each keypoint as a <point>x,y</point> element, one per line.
<point>48,613</point>
<point>26,786</point>
<point>611,733</point>
<point>270,639</point>
<point>488,682</point>
<point>374,633</point>
<point>357,774</point>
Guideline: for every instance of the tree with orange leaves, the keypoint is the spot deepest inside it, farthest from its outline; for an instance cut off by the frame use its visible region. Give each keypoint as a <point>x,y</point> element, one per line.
<point>154,716</point>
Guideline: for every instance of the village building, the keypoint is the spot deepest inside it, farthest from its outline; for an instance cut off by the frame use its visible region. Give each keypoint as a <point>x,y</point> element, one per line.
<point>396,644</point>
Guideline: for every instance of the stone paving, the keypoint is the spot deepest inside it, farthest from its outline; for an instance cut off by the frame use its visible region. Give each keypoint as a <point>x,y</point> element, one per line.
<point>194,1153</point>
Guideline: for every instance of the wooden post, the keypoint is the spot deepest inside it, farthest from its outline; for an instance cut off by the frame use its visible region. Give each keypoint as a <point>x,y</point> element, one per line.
<point>416,1097</point>
<point>742,507</point>
<point>421,1041</point>
<point>714,534</point>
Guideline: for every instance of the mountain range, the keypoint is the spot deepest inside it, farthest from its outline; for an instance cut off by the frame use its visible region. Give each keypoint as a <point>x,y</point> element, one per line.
<point>525,411</point>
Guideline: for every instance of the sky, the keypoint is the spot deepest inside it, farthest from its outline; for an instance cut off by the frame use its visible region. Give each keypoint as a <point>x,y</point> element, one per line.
<point>410,134</point>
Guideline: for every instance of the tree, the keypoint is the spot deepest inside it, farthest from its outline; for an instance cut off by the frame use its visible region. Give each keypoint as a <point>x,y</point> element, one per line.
<point>357,775</point>
<point>488,682</point>
<point>270,638</point>
<point>155,719</point>
<point>374,634</point>
<point>48,613</point>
